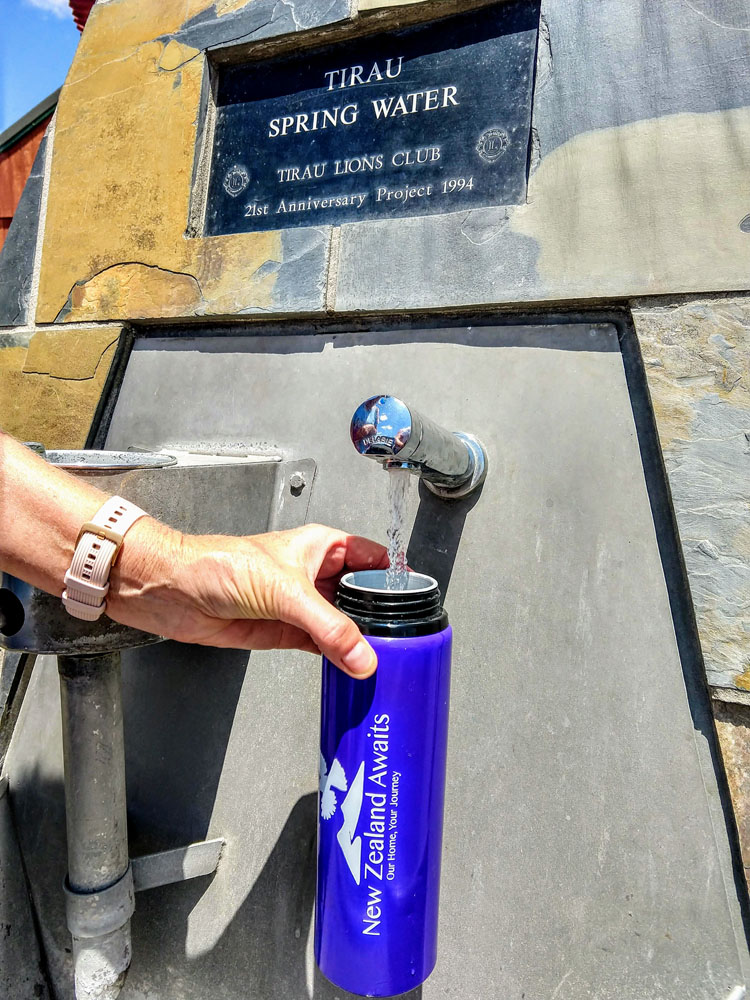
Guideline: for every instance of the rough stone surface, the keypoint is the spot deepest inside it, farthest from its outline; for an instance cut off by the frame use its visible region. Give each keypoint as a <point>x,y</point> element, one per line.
<point>383,4</point>
<point>51,382</point>
<point>580,857</point>
<point>733,728</point>
<point>237,22</point>
<point>115,244</point>
<point>650,205</point>
<point>17,255</point>
<point>582,233</point>
<point>636,187</point>
<point>697,359</point>
<point>652,61</point>
<point>466,258</point>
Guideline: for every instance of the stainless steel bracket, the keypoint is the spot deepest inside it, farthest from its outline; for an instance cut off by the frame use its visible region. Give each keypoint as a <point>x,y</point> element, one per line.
<point>177,865</point>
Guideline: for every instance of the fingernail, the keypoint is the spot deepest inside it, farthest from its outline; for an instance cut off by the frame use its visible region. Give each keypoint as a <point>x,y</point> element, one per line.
<point>361,659</point>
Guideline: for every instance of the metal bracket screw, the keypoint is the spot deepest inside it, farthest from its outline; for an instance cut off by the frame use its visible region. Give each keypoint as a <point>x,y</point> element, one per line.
<point>297,483</point>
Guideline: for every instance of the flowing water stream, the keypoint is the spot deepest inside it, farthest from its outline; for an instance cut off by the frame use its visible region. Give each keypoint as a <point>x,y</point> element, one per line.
<point>398,485</point>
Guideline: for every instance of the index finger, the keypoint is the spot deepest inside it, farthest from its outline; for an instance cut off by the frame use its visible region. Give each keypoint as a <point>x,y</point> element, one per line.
<point>337,551</point>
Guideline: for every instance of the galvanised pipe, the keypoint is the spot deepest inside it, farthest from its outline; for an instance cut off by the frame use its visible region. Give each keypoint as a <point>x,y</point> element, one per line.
<point>99,888</point>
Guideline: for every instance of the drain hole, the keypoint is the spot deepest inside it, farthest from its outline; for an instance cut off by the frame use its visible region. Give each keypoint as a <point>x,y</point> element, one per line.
<point>11,613</point>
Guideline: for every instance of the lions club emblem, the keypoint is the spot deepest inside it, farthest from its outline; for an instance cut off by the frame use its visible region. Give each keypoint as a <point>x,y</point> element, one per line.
<point>236,180</point>
<point>492,144</point>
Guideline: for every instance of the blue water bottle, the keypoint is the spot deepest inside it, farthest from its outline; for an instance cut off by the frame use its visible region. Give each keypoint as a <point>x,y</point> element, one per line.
<point>382,783</point>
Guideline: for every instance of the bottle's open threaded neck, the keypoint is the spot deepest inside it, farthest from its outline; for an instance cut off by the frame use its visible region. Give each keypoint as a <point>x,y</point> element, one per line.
<point>379,610</point>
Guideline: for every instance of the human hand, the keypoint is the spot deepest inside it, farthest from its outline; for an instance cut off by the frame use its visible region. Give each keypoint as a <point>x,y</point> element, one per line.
<point>365,431</point>
<point>269,591</point>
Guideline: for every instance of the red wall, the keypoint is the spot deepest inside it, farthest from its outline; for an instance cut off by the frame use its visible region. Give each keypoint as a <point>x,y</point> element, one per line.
<point>81,10</point>
<point>15,167</point>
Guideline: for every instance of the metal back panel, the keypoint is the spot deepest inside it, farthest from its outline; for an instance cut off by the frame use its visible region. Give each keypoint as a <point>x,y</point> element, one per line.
<point>585,853</point>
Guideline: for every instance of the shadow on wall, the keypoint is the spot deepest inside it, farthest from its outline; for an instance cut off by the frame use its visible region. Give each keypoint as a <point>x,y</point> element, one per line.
<point>176,738</point>
<point>262,952</point>
<point>555,333</point>
<point>436,535</point>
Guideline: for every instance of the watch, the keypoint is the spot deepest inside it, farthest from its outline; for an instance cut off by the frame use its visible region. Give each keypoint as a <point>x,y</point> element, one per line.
<point>97,547</point>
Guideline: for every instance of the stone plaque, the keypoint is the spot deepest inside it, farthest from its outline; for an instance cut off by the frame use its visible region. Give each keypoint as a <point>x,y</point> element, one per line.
<point>429,119</point>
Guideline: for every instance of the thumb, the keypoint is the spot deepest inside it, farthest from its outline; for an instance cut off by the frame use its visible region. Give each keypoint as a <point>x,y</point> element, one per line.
<point>335,635</point>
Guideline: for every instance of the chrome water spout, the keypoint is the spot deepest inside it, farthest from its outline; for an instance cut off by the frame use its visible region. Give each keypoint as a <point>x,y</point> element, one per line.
<point>452,464</point>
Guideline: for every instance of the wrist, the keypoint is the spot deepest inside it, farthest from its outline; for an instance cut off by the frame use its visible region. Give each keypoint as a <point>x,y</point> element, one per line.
<point>146,575</point>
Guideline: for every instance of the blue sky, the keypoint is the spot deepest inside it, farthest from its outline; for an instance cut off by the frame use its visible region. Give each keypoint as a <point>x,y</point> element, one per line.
<point>38,39</point>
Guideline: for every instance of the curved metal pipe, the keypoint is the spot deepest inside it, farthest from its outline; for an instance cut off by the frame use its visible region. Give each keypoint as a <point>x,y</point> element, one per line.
<point>452,464</point>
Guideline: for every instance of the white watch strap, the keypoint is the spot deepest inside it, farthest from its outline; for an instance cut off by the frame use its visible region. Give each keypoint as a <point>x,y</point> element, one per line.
<point>87,579</point>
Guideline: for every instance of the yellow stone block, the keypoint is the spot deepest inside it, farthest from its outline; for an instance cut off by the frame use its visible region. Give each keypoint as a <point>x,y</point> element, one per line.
<point>69,354</point>
<point>733,728</point>
<point>49,391</point>
<point>115,245</point>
